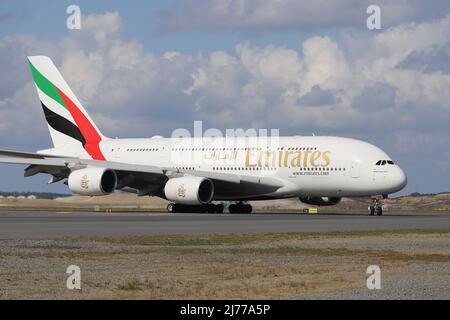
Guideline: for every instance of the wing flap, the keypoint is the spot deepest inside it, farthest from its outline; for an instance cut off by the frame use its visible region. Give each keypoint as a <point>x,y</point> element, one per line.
<point>58,162</point>
<point>27,155</point>
<point>237,179</point>
<point>72,162</point>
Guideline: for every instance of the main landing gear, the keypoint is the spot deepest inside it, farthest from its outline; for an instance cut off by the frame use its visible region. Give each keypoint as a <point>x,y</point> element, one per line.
<point>240,208</point>
<point>201,208</point>
<point>376,208</point>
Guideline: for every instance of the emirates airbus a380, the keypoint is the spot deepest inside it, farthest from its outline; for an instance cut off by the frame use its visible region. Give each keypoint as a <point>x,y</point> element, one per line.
<point>193,172</point>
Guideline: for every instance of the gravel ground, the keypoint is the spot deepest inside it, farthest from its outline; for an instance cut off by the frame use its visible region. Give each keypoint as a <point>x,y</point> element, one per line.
<point>417,282</point>
<point>414,265</point>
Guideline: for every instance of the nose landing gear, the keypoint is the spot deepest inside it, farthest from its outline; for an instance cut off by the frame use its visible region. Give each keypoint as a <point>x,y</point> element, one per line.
<point>376,207</point>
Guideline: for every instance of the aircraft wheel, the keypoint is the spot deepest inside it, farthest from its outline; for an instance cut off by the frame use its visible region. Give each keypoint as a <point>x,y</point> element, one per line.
<point>200,208</point>
<point>210,208</point>
<point>240,208</point>
<point>372,210</point>
<point>379,211</point>
<point>219,208</point>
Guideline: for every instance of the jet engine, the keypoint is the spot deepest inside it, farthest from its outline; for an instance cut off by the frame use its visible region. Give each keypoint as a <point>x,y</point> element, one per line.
<point>189,190</point>
<point>92,181</point>
<point>321,201</point>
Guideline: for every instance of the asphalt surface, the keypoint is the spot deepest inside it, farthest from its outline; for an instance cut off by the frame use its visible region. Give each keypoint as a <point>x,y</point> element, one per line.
<point>28,225</point>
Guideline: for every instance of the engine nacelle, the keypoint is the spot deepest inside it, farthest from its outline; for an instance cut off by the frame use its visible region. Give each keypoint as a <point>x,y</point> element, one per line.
<point>321,201</point>
<point>93,181</point>
<point>189,190</point>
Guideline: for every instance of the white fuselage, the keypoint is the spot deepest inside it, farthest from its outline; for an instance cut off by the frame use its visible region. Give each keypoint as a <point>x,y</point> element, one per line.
<point>307,166</point>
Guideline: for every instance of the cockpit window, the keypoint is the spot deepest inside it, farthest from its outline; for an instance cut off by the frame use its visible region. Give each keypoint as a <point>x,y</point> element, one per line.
<point>384,162</point>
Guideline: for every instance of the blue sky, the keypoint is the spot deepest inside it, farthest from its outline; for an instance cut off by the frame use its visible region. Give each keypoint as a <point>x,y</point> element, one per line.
<point>142,21</point>
<point>301,66</point>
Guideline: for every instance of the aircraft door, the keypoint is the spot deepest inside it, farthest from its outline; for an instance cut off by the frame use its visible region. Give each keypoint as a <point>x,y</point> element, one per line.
<point>355,169</point>
<point>117,153</point>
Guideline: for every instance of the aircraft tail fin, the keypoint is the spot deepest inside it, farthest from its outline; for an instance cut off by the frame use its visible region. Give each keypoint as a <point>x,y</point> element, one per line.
<point>69,123</point>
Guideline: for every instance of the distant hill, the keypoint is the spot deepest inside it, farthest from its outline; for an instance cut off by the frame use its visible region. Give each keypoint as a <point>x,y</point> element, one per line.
<point>39,195</point>
<point>415,201</point>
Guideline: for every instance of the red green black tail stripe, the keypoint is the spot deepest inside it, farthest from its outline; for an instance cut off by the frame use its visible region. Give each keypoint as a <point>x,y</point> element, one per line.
<point>86,131</point>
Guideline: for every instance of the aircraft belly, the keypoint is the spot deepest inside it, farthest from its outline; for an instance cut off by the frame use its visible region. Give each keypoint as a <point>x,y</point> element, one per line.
<point>225,190</point>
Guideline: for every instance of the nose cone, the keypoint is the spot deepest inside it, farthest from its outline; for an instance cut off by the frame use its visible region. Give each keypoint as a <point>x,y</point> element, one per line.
<point>398,179</point>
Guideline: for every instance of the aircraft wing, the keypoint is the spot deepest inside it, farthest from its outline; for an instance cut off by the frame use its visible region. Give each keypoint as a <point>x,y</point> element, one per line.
<point>143,179</point>
<point>22,154</point>
<point>135,176</point>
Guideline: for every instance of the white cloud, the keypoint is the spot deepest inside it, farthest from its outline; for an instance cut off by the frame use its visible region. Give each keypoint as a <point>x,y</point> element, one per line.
<point>171,55</point>
<point>259,16</point>
<point>326,64</point>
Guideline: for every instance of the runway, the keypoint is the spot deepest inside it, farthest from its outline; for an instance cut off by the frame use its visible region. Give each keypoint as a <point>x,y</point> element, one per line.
<point>29,225</point>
